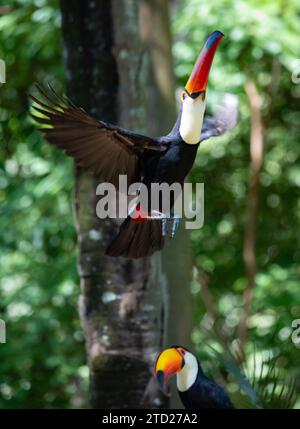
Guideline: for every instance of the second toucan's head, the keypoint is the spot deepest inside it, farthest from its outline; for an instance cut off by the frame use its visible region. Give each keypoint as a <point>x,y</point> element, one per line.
<point>171,361</point>
<point>193,95</point>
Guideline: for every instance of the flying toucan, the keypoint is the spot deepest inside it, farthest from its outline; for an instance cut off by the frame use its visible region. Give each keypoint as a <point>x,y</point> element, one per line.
<point>109,151</point>
<point>196,391</point>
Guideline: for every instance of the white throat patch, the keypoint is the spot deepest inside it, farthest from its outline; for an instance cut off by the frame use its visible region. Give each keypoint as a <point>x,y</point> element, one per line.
<point>192,119</point>
<point>187,376</point>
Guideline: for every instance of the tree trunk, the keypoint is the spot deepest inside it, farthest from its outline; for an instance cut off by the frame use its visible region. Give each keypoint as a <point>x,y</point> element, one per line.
<point>122,304</point>
<point>177,255</point>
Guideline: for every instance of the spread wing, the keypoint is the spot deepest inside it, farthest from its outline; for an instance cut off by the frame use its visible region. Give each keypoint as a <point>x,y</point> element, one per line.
<point>104,149</point>
<point>225,118</point>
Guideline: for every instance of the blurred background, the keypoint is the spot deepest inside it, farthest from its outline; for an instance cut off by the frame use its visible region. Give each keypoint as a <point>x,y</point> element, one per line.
<point>241,308</point>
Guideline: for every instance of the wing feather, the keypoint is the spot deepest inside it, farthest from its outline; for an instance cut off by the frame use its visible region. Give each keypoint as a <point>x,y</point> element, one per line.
<point>104,149</point>
<point>225,118</point>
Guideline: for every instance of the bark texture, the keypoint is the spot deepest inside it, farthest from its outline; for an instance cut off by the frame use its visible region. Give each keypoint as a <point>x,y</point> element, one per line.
<point>122,302</point>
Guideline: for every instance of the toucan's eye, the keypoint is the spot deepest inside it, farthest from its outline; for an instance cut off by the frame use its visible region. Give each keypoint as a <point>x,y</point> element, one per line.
<point>183,96</point>
<point>182,352</point>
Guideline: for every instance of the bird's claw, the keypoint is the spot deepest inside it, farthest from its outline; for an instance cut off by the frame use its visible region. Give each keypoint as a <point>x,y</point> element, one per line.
<point>175,219</point>
<point>164,226</point>
<point>175,225</point>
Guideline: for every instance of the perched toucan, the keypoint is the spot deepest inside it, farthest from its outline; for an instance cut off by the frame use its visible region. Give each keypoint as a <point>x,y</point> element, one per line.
<point>196,391</point>
<point>109,151</point>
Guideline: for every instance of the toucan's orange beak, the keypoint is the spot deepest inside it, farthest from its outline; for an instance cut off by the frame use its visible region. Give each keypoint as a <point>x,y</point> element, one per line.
<point>168,363</point>
<point>199,77</point>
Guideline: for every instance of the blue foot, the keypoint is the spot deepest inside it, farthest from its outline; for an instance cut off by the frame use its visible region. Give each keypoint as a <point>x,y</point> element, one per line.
<point>164,226</point>
<point>175,225</point>
<point>174,220</point>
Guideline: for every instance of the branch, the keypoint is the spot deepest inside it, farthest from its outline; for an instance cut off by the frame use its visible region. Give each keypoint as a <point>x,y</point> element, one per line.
<point>256,161</point>
<point>208,300</point>
<point>207,296</point>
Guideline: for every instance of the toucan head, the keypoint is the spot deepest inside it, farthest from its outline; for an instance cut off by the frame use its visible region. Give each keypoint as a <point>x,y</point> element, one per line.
<point>193,95</point>
<point>169,362</point>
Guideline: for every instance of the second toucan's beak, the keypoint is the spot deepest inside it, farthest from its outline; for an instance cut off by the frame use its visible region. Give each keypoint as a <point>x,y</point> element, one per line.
<point>168,363</point>
<point>199,77</point>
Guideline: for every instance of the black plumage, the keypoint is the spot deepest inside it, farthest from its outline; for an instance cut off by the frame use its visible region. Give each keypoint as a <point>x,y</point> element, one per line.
<point>205,394</point>
<point>195,389</point>
<point>108,151</point>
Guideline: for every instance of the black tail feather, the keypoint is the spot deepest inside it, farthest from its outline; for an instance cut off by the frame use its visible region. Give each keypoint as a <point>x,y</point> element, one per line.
<point>137,239</point>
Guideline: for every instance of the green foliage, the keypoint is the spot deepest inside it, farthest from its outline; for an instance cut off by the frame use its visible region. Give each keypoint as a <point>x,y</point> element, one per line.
<point>43,362</point>
<point>260,44</point>
<point>261,381</point>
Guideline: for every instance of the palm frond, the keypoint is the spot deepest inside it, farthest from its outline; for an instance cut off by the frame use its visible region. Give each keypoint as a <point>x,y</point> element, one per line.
<point>261,380</point>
